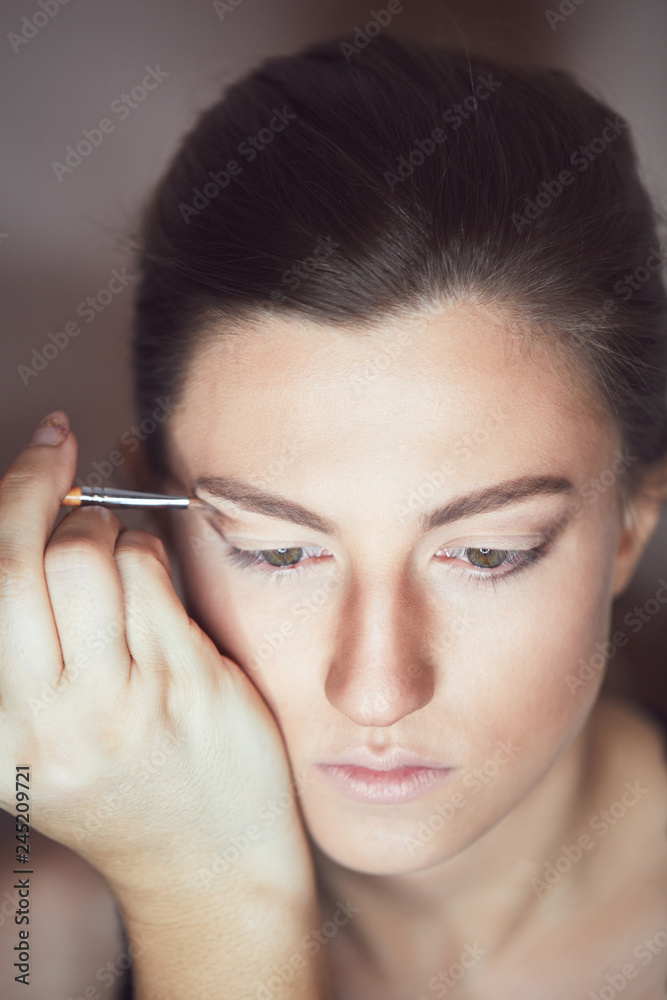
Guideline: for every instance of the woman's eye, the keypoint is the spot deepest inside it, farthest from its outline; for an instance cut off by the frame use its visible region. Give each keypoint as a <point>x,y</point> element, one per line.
<point>485,559</point>
<point>282,558</point>
<point>485,562</point>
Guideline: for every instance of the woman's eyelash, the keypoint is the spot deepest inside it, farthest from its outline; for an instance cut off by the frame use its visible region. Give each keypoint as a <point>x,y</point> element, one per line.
<point>515,558</point>
<point>256,557</point>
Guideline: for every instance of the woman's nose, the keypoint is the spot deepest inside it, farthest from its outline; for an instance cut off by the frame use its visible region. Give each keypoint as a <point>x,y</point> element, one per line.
<point>380,670</point>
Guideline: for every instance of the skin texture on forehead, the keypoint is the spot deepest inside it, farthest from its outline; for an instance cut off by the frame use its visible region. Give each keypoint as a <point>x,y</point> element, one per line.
<point>353,377</point>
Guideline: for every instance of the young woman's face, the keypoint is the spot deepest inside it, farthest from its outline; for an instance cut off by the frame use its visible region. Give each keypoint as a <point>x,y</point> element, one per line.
<point>429,526</point>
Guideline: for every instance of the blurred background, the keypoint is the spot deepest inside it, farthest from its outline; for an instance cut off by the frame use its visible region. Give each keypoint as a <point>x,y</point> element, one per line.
<point>65,231</point>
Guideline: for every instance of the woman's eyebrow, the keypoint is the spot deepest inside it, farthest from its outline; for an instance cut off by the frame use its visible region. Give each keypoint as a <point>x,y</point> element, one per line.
<point>503,494</point>
<point>258,501</point>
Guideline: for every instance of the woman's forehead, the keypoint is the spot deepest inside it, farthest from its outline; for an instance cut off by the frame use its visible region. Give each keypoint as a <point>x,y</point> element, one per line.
<point>443,365</point>
<point>416,391</point>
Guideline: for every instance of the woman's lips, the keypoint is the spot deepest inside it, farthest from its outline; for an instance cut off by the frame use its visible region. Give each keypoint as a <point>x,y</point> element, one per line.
<point>401,784</point>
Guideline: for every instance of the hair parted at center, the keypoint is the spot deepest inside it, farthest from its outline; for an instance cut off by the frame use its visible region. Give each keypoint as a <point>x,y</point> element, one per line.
<point>411,174</point>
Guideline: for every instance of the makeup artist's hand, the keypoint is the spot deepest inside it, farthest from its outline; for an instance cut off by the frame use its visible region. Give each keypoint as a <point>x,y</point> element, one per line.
<point>147,749</point>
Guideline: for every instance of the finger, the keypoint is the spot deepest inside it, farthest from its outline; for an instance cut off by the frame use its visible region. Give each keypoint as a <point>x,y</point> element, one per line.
<point>30,495</point>
<point>160,634</point>
<point>87,598</point>
<point>32,488</point>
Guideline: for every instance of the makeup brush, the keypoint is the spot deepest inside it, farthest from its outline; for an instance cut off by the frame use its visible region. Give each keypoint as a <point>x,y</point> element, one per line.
<point>83,496</point>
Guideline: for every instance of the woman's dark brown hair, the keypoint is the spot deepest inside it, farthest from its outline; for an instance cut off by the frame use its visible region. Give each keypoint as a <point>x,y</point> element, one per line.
<point>348,183</point>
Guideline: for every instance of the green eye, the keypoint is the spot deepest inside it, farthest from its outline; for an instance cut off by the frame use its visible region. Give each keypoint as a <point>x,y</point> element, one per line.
<point>484,561</point>
<point>488,558</point>
<point>282,557</point>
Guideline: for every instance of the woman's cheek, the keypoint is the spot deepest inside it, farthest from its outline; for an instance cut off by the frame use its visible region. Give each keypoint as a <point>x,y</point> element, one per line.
<point>214,597</point>
<point>259,623</point>
<point>524,686</point>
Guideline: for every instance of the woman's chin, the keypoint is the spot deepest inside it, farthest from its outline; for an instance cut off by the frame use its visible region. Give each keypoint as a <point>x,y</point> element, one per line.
<point>373,862</point>
<point>382,847</point>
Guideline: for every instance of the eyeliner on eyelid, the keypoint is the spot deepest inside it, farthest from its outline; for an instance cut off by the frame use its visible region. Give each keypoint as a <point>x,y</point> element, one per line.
<point>518,559</point>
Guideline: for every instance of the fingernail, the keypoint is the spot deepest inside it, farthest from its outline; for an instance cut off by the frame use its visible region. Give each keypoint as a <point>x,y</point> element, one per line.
<point>52,430</point>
